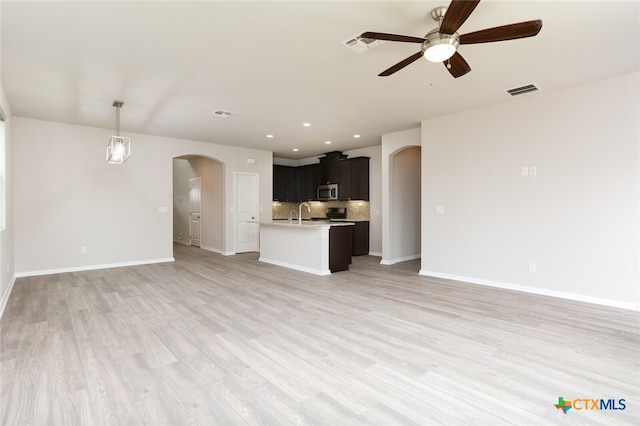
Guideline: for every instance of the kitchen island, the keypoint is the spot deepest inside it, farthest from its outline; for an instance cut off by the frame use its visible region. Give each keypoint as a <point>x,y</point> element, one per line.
<point>319,248</point>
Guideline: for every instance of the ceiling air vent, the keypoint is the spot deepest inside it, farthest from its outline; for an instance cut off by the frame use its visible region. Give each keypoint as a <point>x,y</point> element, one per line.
<point>222,114</point>
<point>360,44</point>
<point>523,89</point>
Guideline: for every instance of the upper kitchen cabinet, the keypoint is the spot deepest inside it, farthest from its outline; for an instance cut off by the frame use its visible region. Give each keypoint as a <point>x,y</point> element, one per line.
<point>354,179</point>
<point>297,184</point>
<point>284,183</point>
<point>308,181</point>
<point>330,167</point>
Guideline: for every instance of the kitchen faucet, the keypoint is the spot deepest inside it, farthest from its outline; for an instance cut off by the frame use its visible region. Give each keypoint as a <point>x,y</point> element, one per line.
<point>291,213</point>
<point>300,211</point>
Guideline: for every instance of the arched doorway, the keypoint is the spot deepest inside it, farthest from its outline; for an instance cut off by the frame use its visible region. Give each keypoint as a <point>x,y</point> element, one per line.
<point>211,173</point>
<point>406,203</point>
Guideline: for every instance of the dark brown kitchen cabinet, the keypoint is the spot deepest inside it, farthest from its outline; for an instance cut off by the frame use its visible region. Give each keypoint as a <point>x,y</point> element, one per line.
<point>330,167</point>
<point>308,181</point>
<point>359,178</point>
<point>340,243</point>
<point>361,238</point>
<point>344,183</point>
<point>300,183</point>
<point>354,179</point>
<point>284,183</point>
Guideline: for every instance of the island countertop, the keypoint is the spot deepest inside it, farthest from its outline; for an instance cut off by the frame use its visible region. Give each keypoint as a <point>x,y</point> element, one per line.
<point>306,224</point>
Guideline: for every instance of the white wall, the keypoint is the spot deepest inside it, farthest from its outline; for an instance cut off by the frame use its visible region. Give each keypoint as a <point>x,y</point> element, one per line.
<point>577,220</point>
<point>392,144</point>
<point>67,197</point>
<point>7,275</point>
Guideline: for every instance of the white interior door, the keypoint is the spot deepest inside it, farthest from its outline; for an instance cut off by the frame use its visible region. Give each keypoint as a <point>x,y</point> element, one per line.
<point>194,211</point>
<point>247,212</point>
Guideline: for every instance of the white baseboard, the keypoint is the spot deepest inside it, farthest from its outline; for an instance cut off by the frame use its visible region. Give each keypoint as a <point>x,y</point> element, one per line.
<point>215,250</point>
<point>92,267</point>
<point>399,259</point>
<point>535,290</point>
<point>5,296</point>
<point>296,267</point>
<point>375,253</point>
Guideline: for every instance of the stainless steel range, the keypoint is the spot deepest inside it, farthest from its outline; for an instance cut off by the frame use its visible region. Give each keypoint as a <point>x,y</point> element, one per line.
<point>336,213</point>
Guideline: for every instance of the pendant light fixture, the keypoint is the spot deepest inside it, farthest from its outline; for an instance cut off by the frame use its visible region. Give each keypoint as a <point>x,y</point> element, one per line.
<point>119,147</point>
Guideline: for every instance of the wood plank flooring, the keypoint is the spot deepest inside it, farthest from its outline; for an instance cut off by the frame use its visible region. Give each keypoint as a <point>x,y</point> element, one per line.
<point>213,340</point>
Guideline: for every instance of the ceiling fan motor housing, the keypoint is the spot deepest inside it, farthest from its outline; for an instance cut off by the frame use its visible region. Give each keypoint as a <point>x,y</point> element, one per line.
<point>439,47</point>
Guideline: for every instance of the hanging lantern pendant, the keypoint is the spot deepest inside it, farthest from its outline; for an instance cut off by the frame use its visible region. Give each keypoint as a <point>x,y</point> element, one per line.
<point>119,148</point>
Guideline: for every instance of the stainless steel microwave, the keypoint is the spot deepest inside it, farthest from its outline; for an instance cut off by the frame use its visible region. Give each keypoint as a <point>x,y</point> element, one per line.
<point>328,192</point>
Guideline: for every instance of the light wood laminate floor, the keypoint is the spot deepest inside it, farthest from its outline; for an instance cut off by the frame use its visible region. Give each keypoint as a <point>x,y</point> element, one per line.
<point>215,340</point>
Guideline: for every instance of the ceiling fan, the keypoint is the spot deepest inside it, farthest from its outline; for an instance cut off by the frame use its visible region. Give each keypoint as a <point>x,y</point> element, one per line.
<point>441,44</point>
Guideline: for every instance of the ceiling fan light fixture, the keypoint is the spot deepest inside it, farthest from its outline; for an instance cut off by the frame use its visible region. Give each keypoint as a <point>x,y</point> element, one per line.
<point>439,47</point>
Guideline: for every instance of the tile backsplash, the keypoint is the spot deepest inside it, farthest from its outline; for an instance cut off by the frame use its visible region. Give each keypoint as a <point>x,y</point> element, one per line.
<point>355,209</point>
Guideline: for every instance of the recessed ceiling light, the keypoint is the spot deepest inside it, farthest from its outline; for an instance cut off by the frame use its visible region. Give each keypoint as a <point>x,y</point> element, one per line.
<point>295,149</point>
<point>270,136</point>
<point>356,136</point>
<point>327,142</point>
<point>306,124</point>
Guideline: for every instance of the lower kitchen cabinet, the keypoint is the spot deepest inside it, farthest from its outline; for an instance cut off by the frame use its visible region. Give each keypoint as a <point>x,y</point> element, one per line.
<point>340,242</point>
<point>360,239</point>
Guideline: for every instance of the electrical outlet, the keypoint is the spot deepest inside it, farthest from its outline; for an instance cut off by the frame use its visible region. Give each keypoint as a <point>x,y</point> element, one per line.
<point>525,171</point>
<point>532,267</point>
<point>533,170</point>
<point>83,250</point>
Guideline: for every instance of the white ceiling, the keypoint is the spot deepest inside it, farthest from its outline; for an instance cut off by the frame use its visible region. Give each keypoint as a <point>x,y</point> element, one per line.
<point>278,64</point>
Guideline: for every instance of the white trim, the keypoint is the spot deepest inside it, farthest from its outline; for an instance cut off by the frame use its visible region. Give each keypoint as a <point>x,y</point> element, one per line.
<point>375,253</point>
<point>5,296</point>
<point>296,267</point>
<point>228,253</point>
<point>535,290</point>
<point>215,250</point>
<point>92,267</point>
<point>400,259</point>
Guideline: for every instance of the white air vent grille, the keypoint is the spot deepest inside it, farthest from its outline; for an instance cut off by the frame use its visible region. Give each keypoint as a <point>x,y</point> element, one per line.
<point>523,89</point>
<point>222,114</point>
<point>360,45</point>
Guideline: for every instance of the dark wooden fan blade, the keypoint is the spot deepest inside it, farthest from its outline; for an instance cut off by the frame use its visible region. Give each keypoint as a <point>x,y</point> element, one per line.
<point>457,12</point>
<point>391,37</point>
<point>457,66</point>
<point>400,65</point>
<point>505,32</point>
